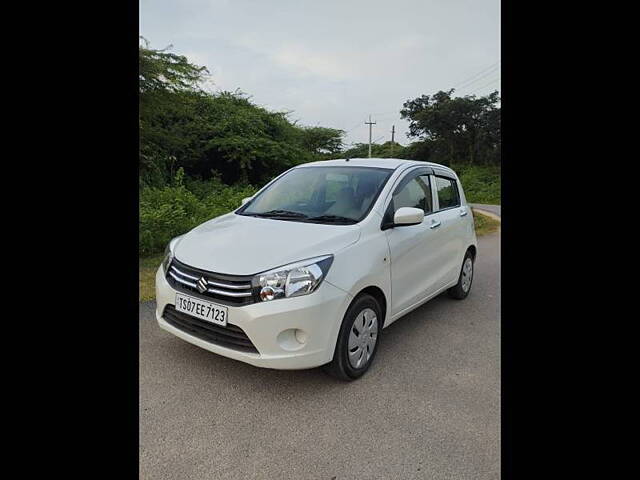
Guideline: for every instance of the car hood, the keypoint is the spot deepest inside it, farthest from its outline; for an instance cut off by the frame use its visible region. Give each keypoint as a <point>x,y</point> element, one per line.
<point>242,245</point>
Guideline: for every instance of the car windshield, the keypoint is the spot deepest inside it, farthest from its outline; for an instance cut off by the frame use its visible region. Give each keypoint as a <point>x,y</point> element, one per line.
<point>320,195</point>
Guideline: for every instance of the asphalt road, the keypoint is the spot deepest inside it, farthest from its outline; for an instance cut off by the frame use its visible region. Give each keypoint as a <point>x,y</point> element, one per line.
<point>489,208</point>
<point>428,408</point>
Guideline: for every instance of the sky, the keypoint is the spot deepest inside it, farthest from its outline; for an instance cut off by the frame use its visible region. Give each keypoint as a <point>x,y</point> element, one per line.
<point>333,63</point>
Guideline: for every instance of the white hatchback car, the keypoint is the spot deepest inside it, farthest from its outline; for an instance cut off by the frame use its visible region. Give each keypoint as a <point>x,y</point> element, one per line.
<point>309,270</point>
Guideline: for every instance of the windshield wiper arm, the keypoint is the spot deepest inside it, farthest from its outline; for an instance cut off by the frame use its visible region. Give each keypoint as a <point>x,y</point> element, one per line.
<point>331,218</point>
<point>280,213</point>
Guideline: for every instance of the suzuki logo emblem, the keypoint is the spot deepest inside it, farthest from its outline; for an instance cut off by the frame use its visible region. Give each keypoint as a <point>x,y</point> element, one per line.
<point>201,285</point>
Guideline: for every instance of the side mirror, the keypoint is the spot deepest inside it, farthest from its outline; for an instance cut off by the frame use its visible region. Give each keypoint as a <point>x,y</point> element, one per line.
<point>245,200</point>
<point>405,216</point>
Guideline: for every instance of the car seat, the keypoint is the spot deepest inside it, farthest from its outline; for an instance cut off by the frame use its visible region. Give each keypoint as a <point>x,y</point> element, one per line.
<point>345,204</point>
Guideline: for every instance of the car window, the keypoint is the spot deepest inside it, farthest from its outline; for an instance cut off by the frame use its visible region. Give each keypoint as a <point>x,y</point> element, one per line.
<point>447,191</point>
<point>427,183</point>
<point>416,194</point>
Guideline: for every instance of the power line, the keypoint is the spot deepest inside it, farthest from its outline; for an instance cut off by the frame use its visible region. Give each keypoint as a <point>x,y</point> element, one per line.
<point>353,128</point>
<point>471,85</point>
<point>483,86</point>
<point>474,78</point>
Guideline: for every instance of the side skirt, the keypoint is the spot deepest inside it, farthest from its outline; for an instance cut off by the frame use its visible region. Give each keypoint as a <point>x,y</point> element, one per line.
<point>402,313</point>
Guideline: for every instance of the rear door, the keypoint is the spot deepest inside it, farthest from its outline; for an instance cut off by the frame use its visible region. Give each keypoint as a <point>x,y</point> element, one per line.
<point>417,260</point>
<point>450,215</point>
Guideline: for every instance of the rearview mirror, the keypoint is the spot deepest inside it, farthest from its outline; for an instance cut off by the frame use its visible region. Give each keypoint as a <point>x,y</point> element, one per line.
<point>245,200</point>
<point>405,216</point>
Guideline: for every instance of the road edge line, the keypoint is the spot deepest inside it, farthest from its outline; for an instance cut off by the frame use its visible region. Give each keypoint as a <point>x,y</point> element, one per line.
<point>487,214</point>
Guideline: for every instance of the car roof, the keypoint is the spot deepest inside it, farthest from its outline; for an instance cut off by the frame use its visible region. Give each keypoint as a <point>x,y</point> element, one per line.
<point>390,163</point>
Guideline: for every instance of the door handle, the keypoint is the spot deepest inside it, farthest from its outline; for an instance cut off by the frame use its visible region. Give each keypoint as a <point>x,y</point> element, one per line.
<point>434,224</point>
<point>463,212</point>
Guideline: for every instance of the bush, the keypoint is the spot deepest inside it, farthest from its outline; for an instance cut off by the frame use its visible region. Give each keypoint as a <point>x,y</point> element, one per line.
<point>173,210</point>
<point>481,183</point>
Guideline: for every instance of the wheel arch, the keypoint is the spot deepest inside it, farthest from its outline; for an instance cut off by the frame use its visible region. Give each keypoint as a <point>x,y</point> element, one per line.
<point>378,294</point>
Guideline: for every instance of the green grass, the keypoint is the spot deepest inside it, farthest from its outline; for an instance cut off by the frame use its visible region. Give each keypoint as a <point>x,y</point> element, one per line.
<point>149,265</point>
<point>484,224</point>
<point>147,269</point>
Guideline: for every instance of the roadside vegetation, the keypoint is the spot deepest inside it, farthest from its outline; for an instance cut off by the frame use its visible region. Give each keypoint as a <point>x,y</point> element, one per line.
<point>484,224</point>
<point>147,277</point>
<point>169,211</point>
<point>481,183</point>
<point>202,152</point>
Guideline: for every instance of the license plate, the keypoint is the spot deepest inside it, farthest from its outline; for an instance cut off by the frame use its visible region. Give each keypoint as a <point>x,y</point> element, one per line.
<point>211,312</point>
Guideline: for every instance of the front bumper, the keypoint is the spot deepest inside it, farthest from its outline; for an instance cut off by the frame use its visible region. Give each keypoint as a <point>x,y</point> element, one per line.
<point>270,325</point>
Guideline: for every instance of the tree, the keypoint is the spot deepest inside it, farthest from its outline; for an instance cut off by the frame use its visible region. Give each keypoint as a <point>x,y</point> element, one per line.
<point>160,71</point>
<point>456,129</point>
<point>378,150</point>
<point>222,134</point>
<point>322,141</point>
<point>164,79</point>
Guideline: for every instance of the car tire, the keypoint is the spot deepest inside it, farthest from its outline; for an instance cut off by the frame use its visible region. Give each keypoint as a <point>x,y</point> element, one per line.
<point>361,323</point>
<point>465,279</point>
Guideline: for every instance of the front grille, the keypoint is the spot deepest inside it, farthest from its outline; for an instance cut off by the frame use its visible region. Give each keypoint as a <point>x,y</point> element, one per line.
<point>226,289</point>
<point>230,336</point>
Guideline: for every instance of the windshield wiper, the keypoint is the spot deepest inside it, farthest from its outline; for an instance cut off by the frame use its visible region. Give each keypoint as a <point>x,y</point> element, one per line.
<point>279,213</point>
<point>331,219</point>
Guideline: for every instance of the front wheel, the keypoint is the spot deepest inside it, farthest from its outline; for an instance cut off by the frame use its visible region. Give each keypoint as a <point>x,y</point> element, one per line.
<point>358,339</point>
<point>463,287</point>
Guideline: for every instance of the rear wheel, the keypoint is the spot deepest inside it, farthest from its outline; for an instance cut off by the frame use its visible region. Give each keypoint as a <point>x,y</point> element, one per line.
<point>358,339</point>
<point>463,287</point>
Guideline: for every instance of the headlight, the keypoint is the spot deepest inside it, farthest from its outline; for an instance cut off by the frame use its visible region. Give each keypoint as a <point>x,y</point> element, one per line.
<point>168,254</point>
<point>300,278</point>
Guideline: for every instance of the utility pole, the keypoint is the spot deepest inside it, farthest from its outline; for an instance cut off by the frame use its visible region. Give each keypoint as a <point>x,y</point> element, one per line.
<point>370,123</point>
<point>393,133</point>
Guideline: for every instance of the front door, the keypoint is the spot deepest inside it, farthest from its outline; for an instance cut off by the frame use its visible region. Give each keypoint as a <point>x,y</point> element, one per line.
<point>417,260</point>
